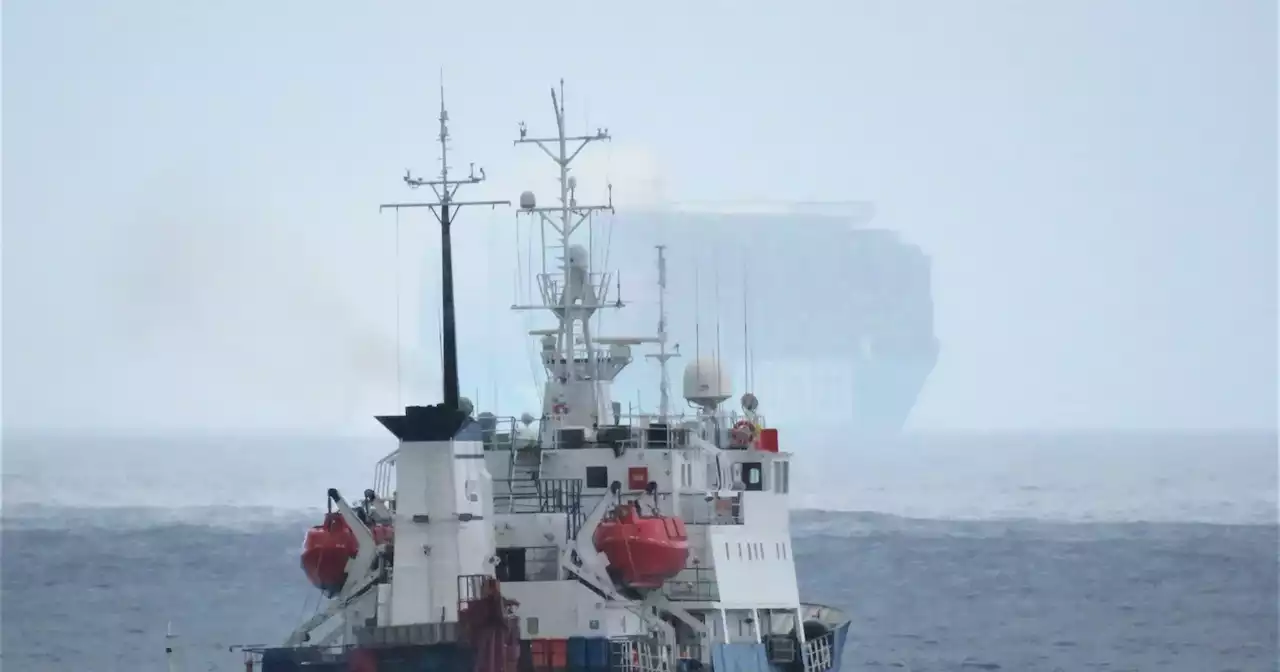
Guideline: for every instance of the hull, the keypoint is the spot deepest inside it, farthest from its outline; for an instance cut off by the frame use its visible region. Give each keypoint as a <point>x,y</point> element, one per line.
<point>732,657</point>
<point>886,387</point>
<point>826,628</point>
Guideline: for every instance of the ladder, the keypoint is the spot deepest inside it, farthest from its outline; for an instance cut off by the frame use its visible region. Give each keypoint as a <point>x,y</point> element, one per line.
<point>523,474</point>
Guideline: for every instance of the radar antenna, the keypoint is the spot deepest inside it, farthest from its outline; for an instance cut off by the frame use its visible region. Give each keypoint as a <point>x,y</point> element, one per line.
<point>573,299</point>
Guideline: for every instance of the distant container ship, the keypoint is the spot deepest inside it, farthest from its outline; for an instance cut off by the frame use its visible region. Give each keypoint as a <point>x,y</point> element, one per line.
<point>868,300</point>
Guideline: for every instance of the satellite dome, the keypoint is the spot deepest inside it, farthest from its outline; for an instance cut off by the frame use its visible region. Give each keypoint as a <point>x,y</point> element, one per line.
<point>528,201</point>
<point>706,383</point>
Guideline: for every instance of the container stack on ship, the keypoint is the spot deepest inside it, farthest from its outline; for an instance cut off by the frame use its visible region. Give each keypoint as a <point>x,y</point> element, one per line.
<point>577,538</point>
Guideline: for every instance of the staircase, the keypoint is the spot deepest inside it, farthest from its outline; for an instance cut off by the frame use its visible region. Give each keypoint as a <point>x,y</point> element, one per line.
<point>524,472</point>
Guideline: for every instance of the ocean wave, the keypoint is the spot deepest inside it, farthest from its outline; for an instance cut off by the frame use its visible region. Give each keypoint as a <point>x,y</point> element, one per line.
<point>804,522</point>
<point>1026,596</point>
<point>1103,479</point>
<point>232,518</point>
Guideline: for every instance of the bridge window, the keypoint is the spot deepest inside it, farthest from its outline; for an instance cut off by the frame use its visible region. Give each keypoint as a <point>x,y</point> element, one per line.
<point>597,477</point>
<point>754,475</point>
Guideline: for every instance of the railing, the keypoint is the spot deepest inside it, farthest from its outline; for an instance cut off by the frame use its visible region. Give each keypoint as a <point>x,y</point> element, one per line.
<point>640,655</point>
<point>497,432</point>
<point>551,287</point>
<point>628,431</point>
<point>696,509</point>
<point>384,476</point>
<point>819,653</point>
<point>548,495</point>
<point>694,584</point>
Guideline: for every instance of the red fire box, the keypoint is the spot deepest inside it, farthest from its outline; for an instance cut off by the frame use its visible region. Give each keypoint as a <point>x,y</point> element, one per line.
<point>637,478</point>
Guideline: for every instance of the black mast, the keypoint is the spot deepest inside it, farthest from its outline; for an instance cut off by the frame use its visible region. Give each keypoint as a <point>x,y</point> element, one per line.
<point>448,335</point>
<point>444,209</point>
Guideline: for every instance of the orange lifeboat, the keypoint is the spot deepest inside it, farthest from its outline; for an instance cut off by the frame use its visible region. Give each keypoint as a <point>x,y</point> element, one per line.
<point>329,546</point>
<point>643,551</point>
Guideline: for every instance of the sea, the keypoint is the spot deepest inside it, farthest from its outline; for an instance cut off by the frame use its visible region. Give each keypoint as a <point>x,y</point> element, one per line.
<point>1024,553</point>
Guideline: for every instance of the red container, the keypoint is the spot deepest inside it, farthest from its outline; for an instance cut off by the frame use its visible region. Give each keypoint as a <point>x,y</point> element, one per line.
<point>769,440</point>
<point>559,653</point>
<point>540,654</point>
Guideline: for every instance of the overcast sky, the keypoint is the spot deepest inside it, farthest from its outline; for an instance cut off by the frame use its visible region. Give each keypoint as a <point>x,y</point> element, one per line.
<point>191,238</point>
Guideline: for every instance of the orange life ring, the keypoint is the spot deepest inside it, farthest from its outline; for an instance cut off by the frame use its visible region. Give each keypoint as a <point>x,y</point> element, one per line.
<point>745,432</point>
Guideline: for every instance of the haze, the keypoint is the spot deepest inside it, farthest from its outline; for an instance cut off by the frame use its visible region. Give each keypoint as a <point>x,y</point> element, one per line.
<point>192,241</point>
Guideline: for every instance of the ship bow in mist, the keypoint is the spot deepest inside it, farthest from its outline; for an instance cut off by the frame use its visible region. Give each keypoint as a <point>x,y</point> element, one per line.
<point>894,344</point>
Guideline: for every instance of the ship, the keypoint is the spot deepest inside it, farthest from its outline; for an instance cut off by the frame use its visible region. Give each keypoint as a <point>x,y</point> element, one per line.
<point>875,331</point>
<point>577,538</point>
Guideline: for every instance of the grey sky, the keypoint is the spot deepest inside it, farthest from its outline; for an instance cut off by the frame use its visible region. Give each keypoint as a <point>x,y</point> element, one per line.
<point>191,236</point>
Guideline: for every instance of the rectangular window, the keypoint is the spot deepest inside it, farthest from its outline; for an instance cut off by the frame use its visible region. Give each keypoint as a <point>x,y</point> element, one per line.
<point>536,563</point>
<point>753,473</point>
<point>597,477</point>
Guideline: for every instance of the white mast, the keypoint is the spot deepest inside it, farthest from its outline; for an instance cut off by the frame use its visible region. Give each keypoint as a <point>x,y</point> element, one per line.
<point>662,356</point>
<point>575,296</point>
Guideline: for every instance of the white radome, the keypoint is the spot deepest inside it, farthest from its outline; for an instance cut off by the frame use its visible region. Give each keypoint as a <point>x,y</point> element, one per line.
<point>706,383</point>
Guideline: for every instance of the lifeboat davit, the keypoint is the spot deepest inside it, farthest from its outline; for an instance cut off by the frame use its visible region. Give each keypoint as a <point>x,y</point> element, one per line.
<point>643,551</point>
<point>328,548</point>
